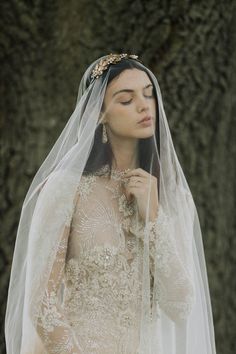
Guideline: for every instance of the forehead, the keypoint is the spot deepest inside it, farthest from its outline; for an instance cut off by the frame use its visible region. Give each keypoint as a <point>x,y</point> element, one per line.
<point>129,79</point>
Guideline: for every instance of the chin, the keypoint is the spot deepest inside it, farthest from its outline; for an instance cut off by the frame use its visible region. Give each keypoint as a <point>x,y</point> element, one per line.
<point>146,133</point>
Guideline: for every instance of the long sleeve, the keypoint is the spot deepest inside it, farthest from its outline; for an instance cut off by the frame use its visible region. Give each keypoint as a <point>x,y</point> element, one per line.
<point>52,326</point>
<point>50,322</point>
<point>174,287</point>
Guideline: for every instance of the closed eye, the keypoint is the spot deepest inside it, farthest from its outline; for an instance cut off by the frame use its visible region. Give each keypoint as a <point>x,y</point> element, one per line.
<point>127,102</point>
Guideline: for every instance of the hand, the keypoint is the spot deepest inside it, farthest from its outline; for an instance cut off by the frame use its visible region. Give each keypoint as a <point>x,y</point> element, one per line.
<point>137,187</point>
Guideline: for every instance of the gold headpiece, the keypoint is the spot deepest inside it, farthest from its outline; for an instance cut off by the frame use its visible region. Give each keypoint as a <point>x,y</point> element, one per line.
<point>110,59</point>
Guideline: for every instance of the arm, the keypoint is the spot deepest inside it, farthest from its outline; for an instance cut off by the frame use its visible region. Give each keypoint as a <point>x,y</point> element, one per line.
<point>50,232</point>
<point>52,325</point>
<point>173,284</point>
<point>175,288</point>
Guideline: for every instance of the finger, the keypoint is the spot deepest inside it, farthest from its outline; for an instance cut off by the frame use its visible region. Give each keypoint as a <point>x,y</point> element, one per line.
<point>137,172</point>
<point>134,190</point>
<point>133,187</point>
<point>136,179</point>
<point>136,184</point>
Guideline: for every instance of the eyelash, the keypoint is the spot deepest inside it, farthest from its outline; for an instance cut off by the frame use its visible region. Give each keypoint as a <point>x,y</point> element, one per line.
<point>127,102</point>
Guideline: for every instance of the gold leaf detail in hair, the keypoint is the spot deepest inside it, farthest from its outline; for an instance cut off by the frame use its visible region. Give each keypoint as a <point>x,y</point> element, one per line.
<point>110,59</point>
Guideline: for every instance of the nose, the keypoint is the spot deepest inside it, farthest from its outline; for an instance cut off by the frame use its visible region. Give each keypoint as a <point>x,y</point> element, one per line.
<point>142,105</point>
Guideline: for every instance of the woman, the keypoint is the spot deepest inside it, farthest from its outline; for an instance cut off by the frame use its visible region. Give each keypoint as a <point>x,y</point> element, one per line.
<point>109,256</point>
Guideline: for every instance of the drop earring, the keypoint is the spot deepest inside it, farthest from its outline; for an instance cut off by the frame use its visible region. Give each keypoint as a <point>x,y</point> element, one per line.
<point>104,134</point>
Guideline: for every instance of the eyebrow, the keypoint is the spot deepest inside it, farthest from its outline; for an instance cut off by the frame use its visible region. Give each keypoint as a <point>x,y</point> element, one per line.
<point>129,90</point>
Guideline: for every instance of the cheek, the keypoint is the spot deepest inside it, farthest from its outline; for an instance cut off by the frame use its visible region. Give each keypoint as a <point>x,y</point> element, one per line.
<point>121,119</point>
<point>122,114</point>
<point>123,110</point>
<point>120,124</point>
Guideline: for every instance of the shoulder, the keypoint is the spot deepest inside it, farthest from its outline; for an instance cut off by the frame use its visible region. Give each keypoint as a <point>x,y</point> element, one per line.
<point>85,185</point>
<point>59,187</point>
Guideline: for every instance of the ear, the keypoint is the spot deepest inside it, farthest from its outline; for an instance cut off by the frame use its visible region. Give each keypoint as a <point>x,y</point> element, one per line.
<point>101,120</point>
<point>102,117</point>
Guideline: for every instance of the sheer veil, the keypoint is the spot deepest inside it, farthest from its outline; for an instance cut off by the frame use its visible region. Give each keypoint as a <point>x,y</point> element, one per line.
<point>170,324</point>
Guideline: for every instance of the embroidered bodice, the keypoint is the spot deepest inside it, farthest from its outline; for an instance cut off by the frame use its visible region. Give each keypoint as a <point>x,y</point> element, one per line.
<point>99,264</point>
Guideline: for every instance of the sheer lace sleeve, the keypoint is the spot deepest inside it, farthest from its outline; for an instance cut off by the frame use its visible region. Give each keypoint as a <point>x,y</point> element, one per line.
<point>52,326</point>
<point>174,286</point>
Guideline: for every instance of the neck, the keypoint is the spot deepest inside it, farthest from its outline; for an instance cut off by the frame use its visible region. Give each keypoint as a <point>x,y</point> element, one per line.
<point>125,154</point>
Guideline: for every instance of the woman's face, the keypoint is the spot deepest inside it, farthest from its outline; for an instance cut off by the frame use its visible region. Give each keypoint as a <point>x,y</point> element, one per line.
<point>128,99</point>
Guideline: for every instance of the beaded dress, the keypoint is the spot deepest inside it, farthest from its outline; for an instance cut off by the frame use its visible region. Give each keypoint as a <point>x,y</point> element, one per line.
<point>99,264</point>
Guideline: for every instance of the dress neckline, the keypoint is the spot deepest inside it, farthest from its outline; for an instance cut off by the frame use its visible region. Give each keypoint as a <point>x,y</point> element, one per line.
<point>115,172</point>
<point>119,173</point>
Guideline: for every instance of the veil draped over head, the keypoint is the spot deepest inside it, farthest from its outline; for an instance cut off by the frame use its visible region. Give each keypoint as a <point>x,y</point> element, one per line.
<point>174,312</point>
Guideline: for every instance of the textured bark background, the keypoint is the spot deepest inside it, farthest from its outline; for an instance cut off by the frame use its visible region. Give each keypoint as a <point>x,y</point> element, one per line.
<point>45,46</point>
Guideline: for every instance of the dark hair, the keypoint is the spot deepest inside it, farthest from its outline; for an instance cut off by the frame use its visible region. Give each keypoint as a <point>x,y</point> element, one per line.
<point>102,153</point>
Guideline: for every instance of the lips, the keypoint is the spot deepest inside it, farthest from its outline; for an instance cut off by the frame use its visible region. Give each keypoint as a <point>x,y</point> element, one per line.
<point>145,119</point>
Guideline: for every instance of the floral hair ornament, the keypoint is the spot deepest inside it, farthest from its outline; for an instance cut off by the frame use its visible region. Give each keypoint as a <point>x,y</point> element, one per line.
<point>110,59</point>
